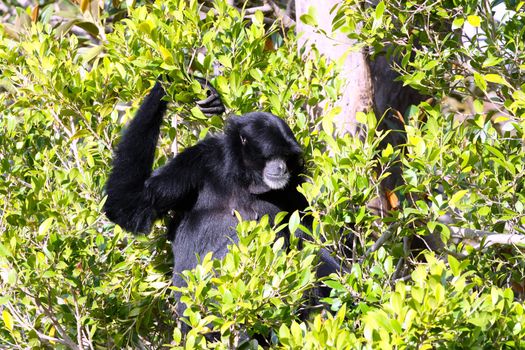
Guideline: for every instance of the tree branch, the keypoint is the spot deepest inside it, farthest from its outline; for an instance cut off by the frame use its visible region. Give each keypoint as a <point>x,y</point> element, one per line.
<point>382,240</point>
<point>251,11</point>
<point>44,337</point>
<point>482,238</point>
<point>280,14</point>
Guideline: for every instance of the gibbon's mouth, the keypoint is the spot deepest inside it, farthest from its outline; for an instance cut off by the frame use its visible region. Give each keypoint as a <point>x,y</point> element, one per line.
<point>276,182</point>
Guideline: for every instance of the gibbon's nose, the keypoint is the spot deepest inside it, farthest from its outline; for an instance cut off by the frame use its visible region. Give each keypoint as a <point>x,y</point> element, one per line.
<point>281,167</point>
<point>276,167</point>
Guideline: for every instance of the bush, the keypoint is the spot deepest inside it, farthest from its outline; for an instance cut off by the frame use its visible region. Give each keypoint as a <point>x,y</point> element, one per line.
<point>71,279</point>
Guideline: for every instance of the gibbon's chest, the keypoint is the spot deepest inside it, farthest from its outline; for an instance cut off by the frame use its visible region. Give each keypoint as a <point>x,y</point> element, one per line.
<point>213,215</point>
<point>218,201</point>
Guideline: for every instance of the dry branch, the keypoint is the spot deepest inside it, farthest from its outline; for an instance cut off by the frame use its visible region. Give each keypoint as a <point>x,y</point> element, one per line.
<point>482,239</point>
<point>280,14</point>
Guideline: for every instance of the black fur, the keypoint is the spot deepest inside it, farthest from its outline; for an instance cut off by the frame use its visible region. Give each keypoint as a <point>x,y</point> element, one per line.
<point>205,183</point>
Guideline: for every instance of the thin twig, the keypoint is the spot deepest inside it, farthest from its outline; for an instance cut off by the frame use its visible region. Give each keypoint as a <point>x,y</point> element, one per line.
<point>27,324</point>
<point>58,327</point>
<point>401,263</point>
<point>382,240</point>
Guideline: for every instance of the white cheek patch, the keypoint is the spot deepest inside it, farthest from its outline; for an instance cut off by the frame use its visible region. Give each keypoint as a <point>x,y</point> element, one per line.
<point>276,183</point>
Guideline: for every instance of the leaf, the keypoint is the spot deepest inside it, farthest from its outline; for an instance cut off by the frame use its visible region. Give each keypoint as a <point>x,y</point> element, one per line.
<point>8,319</point>
<point>431,64</point>
<point>294,222</point>
<point>177,335</point>
<point>380,9</point>
<point>392,199</point>
<point>49,274</point>
<point>4,251</point>
<point>309,20</point>
<point>491,61</point>
<point>44,227</point>
<point>496,78</point>
<point>378,16</point>
<point>457,197</point>
<point>496,152</point>
<point>454,265</point>
<point>65,27</point>
<point>284,334</point>
<point>135,312</point>
<point>258,18</point>
<point>166,55</point>
<point>360,117</point>
<point>474,20</point>
<point>335,285</point>
<point>328,120</point>
<point>92,53</point>
<point>458,23</point>
<point>84,5</point>
<point>89,27</point>
<point>34,13</point>
<point>146,27</point>
<point>480,82</point>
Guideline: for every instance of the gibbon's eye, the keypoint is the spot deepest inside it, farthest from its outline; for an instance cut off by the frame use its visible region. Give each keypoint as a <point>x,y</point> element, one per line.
<point>243,140</point>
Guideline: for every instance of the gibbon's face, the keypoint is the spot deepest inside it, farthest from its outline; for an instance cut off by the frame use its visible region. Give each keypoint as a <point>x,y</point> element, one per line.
<point>268,149</point>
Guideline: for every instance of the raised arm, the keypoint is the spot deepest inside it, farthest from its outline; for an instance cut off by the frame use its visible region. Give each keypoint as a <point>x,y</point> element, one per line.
<point>135,198</point>
<point>132,166</point>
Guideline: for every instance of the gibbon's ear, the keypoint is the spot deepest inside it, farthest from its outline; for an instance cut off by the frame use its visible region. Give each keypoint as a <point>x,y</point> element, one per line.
<point>234,120</point>
<point>233,125</point>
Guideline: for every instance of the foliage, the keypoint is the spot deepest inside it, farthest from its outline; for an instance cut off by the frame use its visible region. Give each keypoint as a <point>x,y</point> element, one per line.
<point>447,46</point>
<point>71,279</point>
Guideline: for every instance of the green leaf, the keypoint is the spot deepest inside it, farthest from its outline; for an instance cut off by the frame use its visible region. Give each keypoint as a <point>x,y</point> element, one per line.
<point>480,82</point>
<point>294,222</point>
<point>89,27</point>
<point>456,198</point>
<point>135,312</point>
<point>491,61</point>
<point>166,55</point>
<point>495,78</point>
<point>92,53</point>
<point>284,334</point>
<point>308,20</point>
<point>336,285</point>
<point>44,226</point>
<point>458,23</point>
<point>49,274</point>
<point>361,117</point>
<point>259,18</point>
<point>454,265</point>
<point>496,152</point>
<point>380,10</point>
<point>146,27</point>
<point>4,251</point>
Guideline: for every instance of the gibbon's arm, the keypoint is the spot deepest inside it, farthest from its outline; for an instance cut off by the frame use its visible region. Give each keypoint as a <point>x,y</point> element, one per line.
<point>133,201</point>
<point>126,204</point>
<point>174,185</point>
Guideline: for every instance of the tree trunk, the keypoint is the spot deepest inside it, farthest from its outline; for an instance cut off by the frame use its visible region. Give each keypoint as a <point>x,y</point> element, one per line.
<point>357,94</point>
<point>370,85</point>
